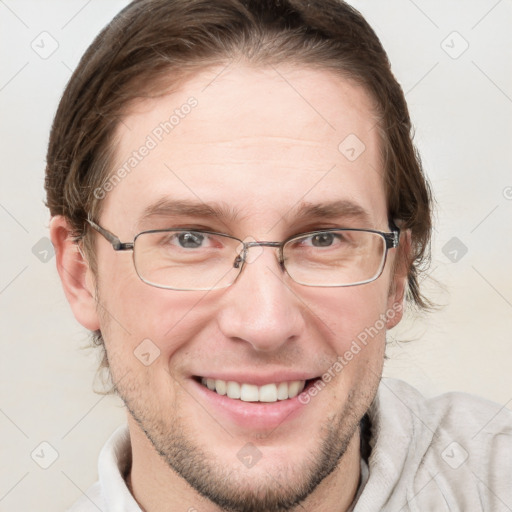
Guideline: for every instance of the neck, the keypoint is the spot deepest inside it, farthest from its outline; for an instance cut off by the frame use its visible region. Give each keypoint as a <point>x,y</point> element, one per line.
<point>155,486</point>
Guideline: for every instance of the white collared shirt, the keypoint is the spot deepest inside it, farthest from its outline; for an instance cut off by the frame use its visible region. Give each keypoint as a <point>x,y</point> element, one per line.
<point>445,454</point>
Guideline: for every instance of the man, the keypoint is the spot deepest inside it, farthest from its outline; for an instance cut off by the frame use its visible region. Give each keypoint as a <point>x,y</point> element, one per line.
<point>238,212</point>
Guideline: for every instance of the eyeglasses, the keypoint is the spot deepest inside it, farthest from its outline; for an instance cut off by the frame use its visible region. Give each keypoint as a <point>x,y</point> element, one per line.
<point>189,259</point>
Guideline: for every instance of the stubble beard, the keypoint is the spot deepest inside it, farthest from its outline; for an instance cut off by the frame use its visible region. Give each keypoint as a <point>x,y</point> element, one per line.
<point>280,489</point>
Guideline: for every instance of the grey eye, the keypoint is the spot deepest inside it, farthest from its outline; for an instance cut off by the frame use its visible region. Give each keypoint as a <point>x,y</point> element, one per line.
<point>190,240</point>
<point>322,239</point>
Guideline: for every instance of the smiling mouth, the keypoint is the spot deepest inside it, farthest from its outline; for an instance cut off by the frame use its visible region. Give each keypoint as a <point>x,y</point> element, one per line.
<point>271,392</point>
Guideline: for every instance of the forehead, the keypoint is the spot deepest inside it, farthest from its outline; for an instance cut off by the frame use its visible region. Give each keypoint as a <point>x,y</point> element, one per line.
<point>262,143</point>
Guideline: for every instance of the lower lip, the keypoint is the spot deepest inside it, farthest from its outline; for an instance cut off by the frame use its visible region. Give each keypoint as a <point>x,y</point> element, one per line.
<point>252,415</point>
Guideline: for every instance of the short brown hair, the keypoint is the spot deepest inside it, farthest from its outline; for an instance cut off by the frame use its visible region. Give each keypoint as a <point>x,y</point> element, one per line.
<point>152,44</point>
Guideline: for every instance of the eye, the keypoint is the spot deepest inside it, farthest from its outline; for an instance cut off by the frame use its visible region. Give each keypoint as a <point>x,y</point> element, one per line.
<point>323,239</point>
<point>190,240</point>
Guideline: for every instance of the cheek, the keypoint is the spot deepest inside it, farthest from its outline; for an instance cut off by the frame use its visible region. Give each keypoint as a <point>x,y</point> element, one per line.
<point>134,312</point>
<point>352,313</point>
<point>356,336</point>
<point>146,330</point>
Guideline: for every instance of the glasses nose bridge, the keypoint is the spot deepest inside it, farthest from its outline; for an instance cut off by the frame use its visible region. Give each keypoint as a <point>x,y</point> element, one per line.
<point>247,245</point>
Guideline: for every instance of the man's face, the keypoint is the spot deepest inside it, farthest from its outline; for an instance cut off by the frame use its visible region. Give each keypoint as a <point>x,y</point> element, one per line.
<point>262,144</point>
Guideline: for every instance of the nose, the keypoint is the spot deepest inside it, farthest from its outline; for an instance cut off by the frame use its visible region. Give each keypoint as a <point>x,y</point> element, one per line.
<point>261,308</point>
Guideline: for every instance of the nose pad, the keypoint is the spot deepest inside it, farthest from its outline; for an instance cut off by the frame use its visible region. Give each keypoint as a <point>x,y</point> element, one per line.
<point>249,250</point>
<point>241,251</point>
<point>238,261</point>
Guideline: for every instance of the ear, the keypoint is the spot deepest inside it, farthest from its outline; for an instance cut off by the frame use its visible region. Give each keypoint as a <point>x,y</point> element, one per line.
<point>75,274</point>
<point>399,280</point>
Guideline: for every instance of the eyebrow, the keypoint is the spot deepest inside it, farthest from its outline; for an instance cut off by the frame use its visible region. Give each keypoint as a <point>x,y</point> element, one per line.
<point>184,208</point>
<point>331,209</point>
<point>341,208</point>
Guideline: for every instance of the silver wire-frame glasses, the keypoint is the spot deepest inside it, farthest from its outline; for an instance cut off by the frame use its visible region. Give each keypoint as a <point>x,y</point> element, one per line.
<point>191,259</point>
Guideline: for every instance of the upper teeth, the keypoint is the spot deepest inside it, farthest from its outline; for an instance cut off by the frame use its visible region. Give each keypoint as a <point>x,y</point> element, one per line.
<point>251,393</point>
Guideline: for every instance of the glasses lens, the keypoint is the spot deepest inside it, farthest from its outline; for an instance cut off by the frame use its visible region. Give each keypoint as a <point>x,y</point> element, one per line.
<point>186,260</point>
<point>335,258</point>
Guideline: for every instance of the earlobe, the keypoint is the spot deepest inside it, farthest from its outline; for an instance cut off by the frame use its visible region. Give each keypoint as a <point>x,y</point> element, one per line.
<point>399,283</point>
<point>75,273</point>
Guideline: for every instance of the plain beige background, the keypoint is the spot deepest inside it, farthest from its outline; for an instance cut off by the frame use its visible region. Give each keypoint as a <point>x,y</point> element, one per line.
<point>454,64</point>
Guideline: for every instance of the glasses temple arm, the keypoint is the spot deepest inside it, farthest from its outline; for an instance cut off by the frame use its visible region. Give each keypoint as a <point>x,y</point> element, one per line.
<point>113,239</point>
<point>393,238</point>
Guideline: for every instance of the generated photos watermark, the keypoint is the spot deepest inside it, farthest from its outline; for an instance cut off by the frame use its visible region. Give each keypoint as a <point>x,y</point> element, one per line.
<point>357,345</point>
<point>151,142</point>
